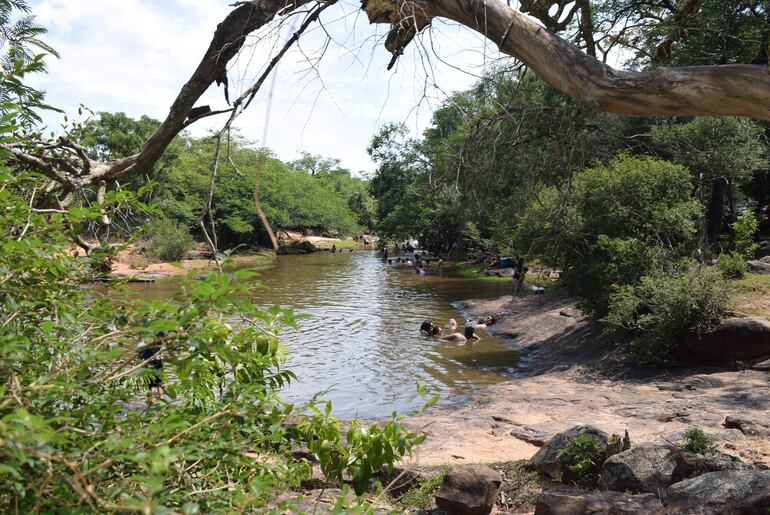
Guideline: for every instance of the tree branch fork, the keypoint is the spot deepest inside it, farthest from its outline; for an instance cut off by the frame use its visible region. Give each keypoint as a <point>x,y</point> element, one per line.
<point>739,90</point>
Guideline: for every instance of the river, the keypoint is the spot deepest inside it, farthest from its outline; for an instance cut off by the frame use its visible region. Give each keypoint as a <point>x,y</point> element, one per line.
<point>361,343</point>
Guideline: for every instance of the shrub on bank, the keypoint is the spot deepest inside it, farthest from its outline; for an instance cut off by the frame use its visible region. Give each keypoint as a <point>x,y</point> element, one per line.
<point>733,265</point>
<point>698,441</point>
<point>169,241</point>
<point>668,305</point>
<point>89,423</point>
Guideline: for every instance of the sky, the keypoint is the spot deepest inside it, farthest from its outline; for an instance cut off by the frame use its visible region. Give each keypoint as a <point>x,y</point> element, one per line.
<point>134,55</point>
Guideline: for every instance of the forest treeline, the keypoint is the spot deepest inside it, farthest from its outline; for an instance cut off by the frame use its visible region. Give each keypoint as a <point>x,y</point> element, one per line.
<point>633,211</point>
<point>312,193</point>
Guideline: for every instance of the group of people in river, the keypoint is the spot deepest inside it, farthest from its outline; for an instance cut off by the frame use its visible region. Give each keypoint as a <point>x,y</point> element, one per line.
<point>428,328</point>
<point>419,262</point>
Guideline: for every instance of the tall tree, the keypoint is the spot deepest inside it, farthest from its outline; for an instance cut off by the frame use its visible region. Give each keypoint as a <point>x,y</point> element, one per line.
<point>731,89</point>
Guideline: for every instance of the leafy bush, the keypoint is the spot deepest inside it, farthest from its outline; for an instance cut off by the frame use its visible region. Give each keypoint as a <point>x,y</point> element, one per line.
<point>669,304</point>
<point>169,241</point>
<point>78,431</point>
<point>733,265</point>
<point>583,457</point>
<point>696,440</point>
<point>627,216</point>
<point>746,229</point>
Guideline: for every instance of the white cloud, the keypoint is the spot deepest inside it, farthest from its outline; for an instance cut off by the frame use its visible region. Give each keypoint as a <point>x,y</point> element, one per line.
<point>134,55</point>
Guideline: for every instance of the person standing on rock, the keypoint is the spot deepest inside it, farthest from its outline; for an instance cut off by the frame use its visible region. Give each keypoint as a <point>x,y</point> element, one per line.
<point>518,280</point>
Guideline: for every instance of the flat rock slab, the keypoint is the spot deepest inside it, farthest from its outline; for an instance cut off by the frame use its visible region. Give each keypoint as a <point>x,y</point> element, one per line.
<point>604,503</point>
<point>547,400</point>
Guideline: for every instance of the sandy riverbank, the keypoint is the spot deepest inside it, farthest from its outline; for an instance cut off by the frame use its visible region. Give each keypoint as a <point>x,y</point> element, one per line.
<point>132,263</point>
<point>571,374</point>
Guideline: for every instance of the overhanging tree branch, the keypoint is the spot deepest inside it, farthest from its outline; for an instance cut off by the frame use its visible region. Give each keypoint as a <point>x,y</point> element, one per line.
<point>741,90</point>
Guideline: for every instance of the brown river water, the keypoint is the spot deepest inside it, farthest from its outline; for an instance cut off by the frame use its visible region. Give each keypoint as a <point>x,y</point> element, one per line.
<point>361,343</point>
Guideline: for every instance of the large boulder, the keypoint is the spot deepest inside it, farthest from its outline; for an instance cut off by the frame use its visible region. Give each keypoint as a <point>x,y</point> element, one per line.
<point>690,464</point>
<point>609,503</point>
<point>298,247</point>
<point>653,468</point>
<point>759,266</point>
<point>735,338</point>
<point>547,460</point>
<point>468,490</point>
<point>641,469</point>
<point>723,492</point>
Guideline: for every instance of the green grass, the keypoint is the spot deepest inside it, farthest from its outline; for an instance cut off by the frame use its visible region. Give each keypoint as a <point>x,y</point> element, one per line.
<point>752,295</point>
<point>423,494</point>
<point>340,244</point>
<point>475,272</point>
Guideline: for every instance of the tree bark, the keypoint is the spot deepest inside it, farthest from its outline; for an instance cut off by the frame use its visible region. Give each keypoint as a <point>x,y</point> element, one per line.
<point>716,211</point>
<point>740,90</point>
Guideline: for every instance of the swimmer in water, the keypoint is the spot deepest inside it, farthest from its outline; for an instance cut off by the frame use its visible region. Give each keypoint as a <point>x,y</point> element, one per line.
<point>452,324</point>
<point>426,328</point>
<point>466,336</point>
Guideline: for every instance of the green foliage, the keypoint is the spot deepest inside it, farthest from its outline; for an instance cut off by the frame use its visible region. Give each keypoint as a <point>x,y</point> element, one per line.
<point>719,33</point>
<point>329,203</point>
<point>168,241</point>
<point>422,494</point>
<point>23,53</point>
<point>627,215</point>
<point>713,146</point>
<point>746,228</point>
<point>733,265</point>
<point>697,441</point>
<point>665,305</point>
<point>583,456</point>
<point>115,135</point>
<point>79,430</point>
<point>365,447</point>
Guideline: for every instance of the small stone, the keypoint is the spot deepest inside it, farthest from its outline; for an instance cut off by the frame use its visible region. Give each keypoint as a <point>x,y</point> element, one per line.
<point>749,427</point>
<point>529,435</point>
<point>468,490</point>
<point>609,503</point>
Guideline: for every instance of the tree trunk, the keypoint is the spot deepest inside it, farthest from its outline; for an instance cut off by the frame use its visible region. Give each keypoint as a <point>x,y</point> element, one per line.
<point>258,204</point>
<point>716,211</point>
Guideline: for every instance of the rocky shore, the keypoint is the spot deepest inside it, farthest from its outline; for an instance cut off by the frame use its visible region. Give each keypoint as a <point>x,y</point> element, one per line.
<point>572,374</point>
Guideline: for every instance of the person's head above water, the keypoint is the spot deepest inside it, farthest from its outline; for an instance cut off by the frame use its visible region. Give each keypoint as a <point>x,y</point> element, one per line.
<point>452,323</point>
<point>427,327</point>
<point>469,331</point>
<point>437,331</point>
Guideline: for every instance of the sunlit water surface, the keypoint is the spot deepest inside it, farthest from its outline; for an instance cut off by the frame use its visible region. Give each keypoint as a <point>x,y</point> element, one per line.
<point>361,343</point>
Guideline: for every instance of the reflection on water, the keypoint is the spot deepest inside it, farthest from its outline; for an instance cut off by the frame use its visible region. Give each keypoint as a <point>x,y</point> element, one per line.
<point>361,342</point>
